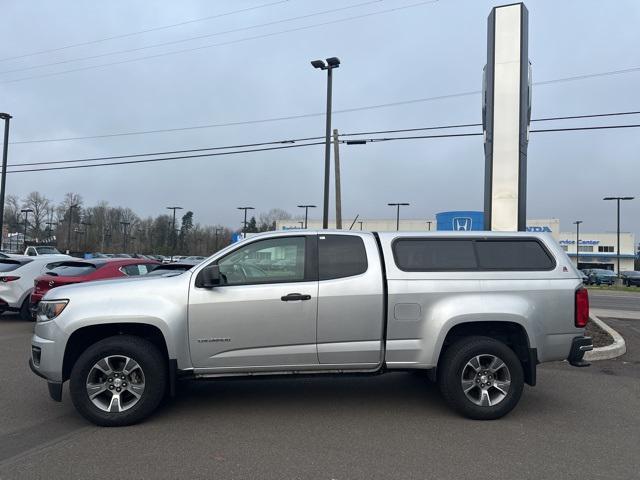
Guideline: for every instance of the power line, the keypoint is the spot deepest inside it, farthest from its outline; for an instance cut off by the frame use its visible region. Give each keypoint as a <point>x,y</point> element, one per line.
<point>230,42</point>
<point>172,152</point>
<point>282,147</point>
<point>140,32</point>
<point>295,140</point>
<point>307,115</point>
<point>151,160</point>
<point>439,127</point>
<point>189,39</point>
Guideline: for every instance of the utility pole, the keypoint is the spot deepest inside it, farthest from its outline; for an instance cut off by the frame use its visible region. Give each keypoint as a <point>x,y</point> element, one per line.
<point>360,222</point>
<point>173,231</point>
<point>577,224</point>
<point>336,159</point>
<point>244,224</point>
<point>6,117</point>
<point>429,222</point>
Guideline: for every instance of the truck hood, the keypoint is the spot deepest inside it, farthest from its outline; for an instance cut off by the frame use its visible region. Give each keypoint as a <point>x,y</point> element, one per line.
<point>127,287</point>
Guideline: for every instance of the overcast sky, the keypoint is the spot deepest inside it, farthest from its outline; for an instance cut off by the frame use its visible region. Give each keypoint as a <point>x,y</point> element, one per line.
<point>428,50</point>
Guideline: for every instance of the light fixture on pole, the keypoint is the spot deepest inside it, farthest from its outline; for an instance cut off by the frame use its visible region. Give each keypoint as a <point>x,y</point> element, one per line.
<point>6,117</point>
<point>26,212</point>
<point>332,62</point>
<point>618,199</point>
<point>173,231</point>
<point>244,223</point>
<point>398,205</point>
<point>577,224</point>
<point>306,213</point>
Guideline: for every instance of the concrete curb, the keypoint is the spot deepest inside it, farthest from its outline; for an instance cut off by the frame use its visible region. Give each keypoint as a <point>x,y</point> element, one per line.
<point>617,348</point>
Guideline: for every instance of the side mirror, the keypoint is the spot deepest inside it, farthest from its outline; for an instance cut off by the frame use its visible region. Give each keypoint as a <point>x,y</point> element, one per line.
<point>208,277</point>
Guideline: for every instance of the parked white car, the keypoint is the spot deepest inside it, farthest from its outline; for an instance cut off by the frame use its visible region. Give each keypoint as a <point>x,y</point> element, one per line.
<point>41,250</point>
<point>17,275</point>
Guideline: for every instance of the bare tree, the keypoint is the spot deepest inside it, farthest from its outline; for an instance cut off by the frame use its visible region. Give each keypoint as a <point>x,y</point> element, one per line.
<point>40,205</point>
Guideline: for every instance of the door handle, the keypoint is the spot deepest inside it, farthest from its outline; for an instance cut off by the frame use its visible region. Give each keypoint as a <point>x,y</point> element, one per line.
<point>295,296</point>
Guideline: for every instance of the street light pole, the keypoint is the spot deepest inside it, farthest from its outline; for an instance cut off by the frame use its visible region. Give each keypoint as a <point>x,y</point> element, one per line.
<point>244,224</point>
<point>124,240</point>
<point>173,230</point>
<point>306,213</point>
<point>332,63</point>
<point>71,207</point>
<point>26,212</point>
<point>86,230</point>
<point>217,230</point>
<point>617,199</point>
<point>577,224</point>
<point>398,205</point>
<point>6,117</point>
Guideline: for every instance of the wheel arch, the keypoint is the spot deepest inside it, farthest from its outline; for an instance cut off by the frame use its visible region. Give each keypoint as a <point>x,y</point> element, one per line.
<point>83,337</point>
<point>511,333</point>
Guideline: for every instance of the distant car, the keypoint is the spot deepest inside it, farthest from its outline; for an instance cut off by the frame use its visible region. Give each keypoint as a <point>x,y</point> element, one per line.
<point>121,255</point>
<point>170,269</point>
<point>17,275</point>
<point>79,271</point>
<point>631,279</point>
<point>41,250</point>
<point>194,258</point>
<point>599,276</point>
<point>584,276</point>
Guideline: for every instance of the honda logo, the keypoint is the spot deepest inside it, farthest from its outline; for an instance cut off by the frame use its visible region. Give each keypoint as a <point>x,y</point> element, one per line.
<point>462,223</point>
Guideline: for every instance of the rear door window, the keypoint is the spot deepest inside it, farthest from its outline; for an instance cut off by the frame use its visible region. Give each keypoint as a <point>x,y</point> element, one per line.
<point>341,256</point>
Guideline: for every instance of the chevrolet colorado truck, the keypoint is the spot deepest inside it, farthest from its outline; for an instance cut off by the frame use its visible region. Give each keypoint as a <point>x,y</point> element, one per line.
<point>476,310</point>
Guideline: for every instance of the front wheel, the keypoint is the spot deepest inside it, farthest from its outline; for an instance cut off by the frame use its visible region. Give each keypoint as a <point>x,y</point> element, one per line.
<point>118,381</point>
<point>481,378</point>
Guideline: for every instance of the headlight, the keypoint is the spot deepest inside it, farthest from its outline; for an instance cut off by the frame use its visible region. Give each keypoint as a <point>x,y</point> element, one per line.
<point>50,309</point>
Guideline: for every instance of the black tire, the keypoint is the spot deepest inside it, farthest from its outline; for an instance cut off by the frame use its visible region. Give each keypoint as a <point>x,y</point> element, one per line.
<point>25,310</point>
<point>450,370</point>
<point>152,364</point>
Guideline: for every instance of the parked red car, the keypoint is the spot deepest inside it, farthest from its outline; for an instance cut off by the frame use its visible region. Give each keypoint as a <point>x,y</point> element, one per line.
<point>78,271</point>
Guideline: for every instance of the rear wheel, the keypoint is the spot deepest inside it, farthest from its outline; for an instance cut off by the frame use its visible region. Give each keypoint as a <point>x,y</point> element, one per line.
<point>481,378</point>
<point>118,381</point>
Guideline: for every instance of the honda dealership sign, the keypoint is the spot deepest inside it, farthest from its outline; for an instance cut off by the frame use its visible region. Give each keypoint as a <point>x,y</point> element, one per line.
<point>505,116</point>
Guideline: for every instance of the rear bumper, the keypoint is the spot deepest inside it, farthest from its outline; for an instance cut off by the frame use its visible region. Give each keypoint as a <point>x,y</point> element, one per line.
<point>579,346</point>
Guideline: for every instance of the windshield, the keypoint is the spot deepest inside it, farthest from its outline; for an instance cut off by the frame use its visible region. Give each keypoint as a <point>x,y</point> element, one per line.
<point>71,269</point>
<point>8,265</point>
<point>47,250</point>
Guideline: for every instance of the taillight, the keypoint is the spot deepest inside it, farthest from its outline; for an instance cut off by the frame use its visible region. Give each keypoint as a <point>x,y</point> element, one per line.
<point>582,307</point>
<point>8,279</point>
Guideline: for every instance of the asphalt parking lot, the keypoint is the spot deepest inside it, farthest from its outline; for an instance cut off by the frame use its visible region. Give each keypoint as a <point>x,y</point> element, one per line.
<point>577,423</point>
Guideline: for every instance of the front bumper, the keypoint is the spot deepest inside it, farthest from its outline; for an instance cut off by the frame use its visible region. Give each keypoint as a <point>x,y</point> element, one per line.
<point>579,346</point>
<point>55,388</point>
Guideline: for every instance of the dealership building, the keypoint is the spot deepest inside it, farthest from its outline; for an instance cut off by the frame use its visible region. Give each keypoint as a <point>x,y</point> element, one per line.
<point>596,250</point>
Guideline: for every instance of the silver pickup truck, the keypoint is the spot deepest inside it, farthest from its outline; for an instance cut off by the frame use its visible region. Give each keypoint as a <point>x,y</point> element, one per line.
<point>477,311</point>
